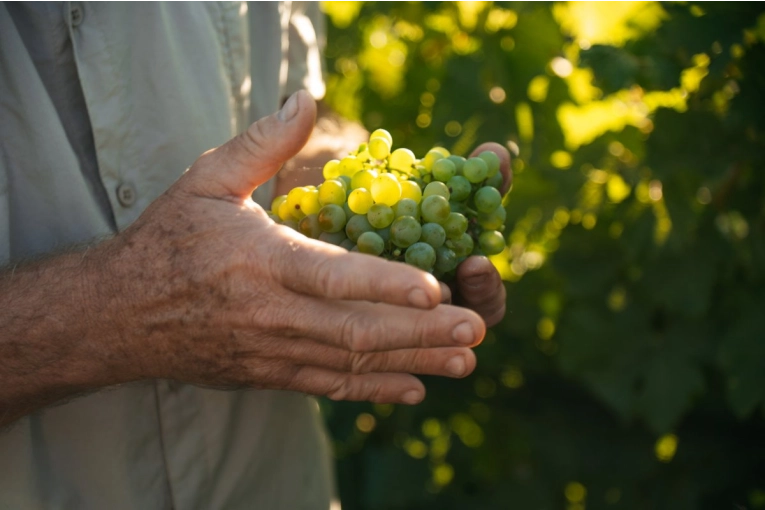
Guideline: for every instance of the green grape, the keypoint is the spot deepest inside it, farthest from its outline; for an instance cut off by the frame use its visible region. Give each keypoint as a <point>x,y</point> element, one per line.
<point>455,225</point>
<point>276,203</point>
<point>309,204</point>
<point>495,181</point>
<point>331,169</point>
<point>347,210</point>
<point>487,199</point>
<point>386,189</point>
<point>363,179</point>
<point>405,231</point>
<point>401,160</point>
<point>382,133</point>
<point>431,158</point>
<point>379,147</point>
<point>433,234</point>
<point>331,218</point>
<point>360,200</point>
<point>385,234</point>
<point>436,188</point>
<point>406,207</point>
<point>492,162</point>
<point>370,242</point>
<point>459,188</point>
<point>491,242</point>
<point>461,246</point>
<point>459,163</point>
<point>349,165</point>
<point>380,216</point>
<point>446,259</point>
<point>421,255</point>
<point>475,170</point>
<point>435,209</point>
<point>331,192</point>
<point>291,224</point>
<point>309,226</point>
<point>357,225</point>
<point>348,244</point>
<point>335,238</point>
<point>411,190</point>
<point>458,207</point>
<point>494,220</point>
<point>443,170</point>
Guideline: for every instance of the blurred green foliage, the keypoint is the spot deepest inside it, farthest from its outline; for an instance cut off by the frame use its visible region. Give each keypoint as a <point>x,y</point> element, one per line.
<point>629,372</point>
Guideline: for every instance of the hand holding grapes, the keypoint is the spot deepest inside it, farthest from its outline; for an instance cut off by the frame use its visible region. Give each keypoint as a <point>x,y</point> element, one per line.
<point>215,293</point>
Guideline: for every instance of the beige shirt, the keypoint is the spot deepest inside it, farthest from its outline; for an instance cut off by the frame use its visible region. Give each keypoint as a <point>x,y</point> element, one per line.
<point>158,85</point>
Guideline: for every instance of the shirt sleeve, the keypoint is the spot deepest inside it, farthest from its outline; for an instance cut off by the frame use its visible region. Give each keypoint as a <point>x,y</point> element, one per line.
<point>306,43</point>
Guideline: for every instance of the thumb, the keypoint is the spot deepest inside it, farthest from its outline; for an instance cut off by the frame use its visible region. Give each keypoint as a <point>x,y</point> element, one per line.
<point>237,167</point>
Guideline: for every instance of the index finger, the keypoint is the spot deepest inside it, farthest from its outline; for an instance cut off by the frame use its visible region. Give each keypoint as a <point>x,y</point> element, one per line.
<point>323,270</point>
<point>504,162</point>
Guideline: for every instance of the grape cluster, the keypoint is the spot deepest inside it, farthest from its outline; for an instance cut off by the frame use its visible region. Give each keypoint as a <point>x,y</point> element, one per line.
<point>431,213</point>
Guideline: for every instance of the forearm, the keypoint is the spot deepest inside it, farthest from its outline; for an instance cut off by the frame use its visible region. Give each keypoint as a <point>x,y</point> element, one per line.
<point>57,333</point>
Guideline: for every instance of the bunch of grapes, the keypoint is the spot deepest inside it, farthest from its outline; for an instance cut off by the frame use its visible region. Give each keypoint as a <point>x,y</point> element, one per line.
<point>431,213</point>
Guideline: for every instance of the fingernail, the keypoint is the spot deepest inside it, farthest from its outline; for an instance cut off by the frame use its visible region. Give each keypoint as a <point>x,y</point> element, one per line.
<point>464,333</point>
<point>412,397</point>
<point>418,298</point>
<point>476,280</point>
<point>456,366</point>
<point>289,109</point>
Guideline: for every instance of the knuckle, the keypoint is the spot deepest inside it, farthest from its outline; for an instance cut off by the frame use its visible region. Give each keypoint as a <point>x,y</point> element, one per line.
<point>357,333</point>
<point>340,389</point>
<point>364,362</point>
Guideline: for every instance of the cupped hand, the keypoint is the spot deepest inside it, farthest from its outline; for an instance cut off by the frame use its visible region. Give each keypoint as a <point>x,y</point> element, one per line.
<point>213,292</point>
<point>478,285</point>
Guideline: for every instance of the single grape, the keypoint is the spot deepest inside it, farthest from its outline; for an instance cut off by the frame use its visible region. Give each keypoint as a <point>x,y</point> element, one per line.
<point>285,213</point>
<point>433,234</point>
<point>360,200</point>
<point>331,169</point>
<point>335,238</point>
<point>491,242</point>
<point>421,255</point>
<point>293,201</point>
<point>405,231</point>
<point>379,147</point>
<point>386,189</point>
<point>331,192</point>
<point>455,225</point>
<point>436,188</point>
<point>487,199</point>
<point>446,259</point>
<point>435,209</point>
<point>309,204</point>
<point>459,188</point>
<point>406,207</point>
<point>401,160</point>
<point>380,215</point>
<point>357,225</point>
<point>349,165</point>
<point>443,170</point>
<point>411,190</point>
<point>382,133</point>
<point>492,162</point>
<point>331,218</point>
<point>494,220</point>
<point>370,242</point>
<point>430,159</point>
<point>363,179</point>
<point>475,170</point>
<point>461,246</point>
<point>309,226</point>
<point>459,162</point>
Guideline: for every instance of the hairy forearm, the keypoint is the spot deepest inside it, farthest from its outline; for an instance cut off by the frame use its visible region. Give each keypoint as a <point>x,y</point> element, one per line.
<point>57,338</point>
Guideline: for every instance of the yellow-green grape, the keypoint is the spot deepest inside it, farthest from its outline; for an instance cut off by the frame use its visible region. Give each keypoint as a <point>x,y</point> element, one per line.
<point>406,207</point>
<point>386,189</point>
<point>380,216</point>
<point>445,153</point>
<point>379,147</point>
<point>349,165</point>
<point>401,160</point>
<point>435,209</point>
<point>458,161</point>
<point>475,170</point>
<point>285,213</point>
<point>487,199</point>
<point>461,246</point>
<point>494,220</point>
<point>430,159</point>
<point>331,192</point>
<point>405,231</point>
<point>293,200</point>
<point>491,242</point>
<point>411,190</point>
<point>492,162</point>
<point>436,188</point>
<point>276,203</point>
<point>331,169</point>
<point>309,204</point>
<point>455,225</point>
<point>459,188</point>
<point>382,133</point>
<point>363,179</point>
<point>360,200</point>
<point>331,218</point>
<point>443,170</point>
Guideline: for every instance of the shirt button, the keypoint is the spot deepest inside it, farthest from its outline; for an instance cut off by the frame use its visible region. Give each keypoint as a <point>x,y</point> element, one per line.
<point>126,194</point>
<point>77,13</point>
